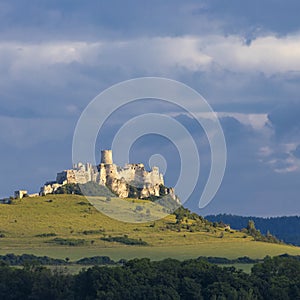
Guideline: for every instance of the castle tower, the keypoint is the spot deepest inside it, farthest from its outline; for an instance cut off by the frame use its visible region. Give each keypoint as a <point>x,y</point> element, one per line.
<point>106,157</point>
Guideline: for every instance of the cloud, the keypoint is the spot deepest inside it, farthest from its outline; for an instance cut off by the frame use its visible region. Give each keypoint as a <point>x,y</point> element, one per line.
<point>256,121</point>
<point>255,16</point>
<point>144,54</point>
<point>280,158</point>
<point>281,149</point>
<point>158,55</point>
<point>226,70</point>
<point>284,119</point>
<point>117,19</point>
<point>296,152</point>
<point>234,54</point>
<point>97,19</point>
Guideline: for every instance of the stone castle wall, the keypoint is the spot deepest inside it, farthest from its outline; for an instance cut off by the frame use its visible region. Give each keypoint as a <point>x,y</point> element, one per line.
<point>116,178</point>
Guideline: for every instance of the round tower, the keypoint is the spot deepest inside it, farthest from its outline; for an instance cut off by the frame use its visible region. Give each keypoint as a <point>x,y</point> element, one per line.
<point>106,157</point>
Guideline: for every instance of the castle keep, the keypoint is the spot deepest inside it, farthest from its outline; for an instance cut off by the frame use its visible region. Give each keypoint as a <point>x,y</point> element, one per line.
<point>118,179</point>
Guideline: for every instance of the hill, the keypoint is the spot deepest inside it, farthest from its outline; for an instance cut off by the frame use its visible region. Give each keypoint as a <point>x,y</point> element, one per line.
<point>63,226</point>
<point>284,228</point>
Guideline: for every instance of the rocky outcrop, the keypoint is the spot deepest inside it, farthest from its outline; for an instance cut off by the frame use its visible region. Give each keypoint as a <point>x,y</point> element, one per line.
<point>118,187</point>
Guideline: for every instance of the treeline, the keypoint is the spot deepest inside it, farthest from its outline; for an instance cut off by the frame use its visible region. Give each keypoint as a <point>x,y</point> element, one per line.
<point>125,240</point>
<point>30,259</point>
<point>274,278</point>
<point>284,228</point>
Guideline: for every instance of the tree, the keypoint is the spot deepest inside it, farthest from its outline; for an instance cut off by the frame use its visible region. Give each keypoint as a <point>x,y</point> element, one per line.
<point>179,215</point>
<point>251,225</point>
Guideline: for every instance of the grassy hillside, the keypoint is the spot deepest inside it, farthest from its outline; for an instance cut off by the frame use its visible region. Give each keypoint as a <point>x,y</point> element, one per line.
<point>68,226</point>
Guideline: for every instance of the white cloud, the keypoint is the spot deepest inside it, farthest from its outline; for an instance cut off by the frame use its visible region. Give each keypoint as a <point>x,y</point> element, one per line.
<point>256,121</point>
<point>280,158</point>
<point>267,54</point>
<point>20,58</point>
<point>154,54</point>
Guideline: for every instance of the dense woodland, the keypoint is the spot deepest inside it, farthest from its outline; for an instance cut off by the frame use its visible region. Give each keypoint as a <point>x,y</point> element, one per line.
<point>25,259</point>
<point>284,228</point>
<point>274,278</point>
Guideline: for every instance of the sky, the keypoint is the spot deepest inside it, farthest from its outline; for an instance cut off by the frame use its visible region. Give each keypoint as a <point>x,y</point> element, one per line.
<point>242,57</point>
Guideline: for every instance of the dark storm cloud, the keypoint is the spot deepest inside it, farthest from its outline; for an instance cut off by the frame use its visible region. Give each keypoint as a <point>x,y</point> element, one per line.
<point>95,19</point>
<point>285,120</point>
<point>255,17</point>
<point>77,20</point>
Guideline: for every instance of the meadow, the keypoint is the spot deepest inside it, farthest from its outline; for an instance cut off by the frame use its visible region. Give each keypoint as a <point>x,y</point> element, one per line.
<point>63,226</point>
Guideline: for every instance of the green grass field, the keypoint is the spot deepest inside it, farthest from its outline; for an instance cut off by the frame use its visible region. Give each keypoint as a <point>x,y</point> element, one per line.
<point>27,226</point>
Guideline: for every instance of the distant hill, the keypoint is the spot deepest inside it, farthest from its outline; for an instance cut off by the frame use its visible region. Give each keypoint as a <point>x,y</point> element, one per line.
<point>284,228</point>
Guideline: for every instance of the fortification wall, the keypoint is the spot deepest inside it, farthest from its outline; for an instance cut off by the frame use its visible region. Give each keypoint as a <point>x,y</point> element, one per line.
<point>66,176</point>
<point>116,178</point>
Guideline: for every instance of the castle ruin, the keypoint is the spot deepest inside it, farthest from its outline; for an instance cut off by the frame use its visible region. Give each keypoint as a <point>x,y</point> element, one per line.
<point>119,180</point>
